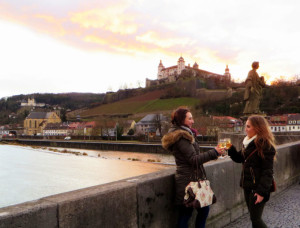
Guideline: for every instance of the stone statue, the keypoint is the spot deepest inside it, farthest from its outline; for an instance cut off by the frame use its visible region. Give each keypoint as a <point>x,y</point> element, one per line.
<point>253,93</point>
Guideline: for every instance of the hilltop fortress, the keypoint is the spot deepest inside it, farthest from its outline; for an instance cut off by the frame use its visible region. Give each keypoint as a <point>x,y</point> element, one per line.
<point>172,73</point>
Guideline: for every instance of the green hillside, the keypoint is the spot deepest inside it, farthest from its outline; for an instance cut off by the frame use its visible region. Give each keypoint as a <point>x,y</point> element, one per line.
<point>130,106</point>
<point>276,100</point>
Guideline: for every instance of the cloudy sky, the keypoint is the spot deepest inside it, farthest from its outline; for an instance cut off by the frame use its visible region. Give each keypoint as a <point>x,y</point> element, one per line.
<point>97,46</point>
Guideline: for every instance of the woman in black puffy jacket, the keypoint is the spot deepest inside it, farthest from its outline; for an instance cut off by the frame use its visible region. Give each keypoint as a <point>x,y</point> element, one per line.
<point>181,141</point>
<point>257,155</point>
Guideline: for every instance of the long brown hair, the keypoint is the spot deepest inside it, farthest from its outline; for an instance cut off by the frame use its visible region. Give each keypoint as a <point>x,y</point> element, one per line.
<point>265,138</point>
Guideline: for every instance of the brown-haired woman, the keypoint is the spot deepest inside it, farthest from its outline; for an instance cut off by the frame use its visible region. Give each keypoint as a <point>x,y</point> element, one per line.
<point>257,156</point>
<point>181,141</point>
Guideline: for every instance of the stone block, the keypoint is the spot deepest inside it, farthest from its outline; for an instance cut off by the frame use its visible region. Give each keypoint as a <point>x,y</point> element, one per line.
<point>223,177</point>
<point>33,214</point>
<point>155,195</point>
<point>219,221</point>
<point>105,206</point>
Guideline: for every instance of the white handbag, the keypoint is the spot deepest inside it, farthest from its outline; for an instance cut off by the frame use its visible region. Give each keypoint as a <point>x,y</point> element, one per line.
<point>199,193</point>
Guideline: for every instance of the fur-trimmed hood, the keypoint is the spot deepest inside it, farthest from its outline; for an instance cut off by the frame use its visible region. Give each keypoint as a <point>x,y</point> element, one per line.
<point>174,135</point>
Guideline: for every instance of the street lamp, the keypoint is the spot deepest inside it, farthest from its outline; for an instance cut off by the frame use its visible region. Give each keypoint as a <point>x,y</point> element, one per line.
<point>116,131</point>
<point>147,131</point>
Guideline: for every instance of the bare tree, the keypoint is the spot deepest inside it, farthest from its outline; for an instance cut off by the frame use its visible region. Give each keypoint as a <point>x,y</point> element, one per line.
<point>109,89</point>
<point>139,83</point>
<point>158,122</point>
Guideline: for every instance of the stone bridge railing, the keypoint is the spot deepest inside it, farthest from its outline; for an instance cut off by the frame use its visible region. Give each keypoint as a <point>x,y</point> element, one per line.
<point>145,201</point>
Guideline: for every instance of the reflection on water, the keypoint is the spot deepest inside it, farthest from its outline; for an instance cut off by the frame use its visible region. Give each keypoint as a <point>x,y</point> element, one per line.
<point>28,174</point>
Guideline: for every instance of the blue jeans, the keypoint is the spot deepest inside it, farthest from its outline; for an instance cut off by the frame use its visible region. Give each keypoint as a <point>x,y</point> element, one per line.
<point>185,214</point>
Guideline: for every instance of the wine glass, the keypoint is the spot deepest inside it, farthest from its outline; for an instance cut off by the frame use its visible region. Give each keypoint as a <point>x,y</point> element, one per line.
<point>226,144</point>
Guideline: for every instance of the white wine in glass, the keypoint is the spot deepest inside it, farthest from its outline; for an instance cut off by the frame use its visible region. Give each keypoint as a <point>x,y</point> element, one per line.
<point>226,144</point>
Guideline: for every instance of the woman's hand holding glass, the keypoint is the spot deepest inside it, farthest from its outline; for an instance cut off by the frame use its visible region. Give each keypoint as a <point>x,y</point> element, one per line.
<point>220,150</point>
<point>223,146</point>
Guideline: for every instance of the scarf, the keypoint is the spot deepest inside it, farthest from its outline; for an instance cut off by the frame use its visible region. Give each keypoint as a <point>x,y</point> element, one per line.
<point>248,140</point>
<point>187,129</point>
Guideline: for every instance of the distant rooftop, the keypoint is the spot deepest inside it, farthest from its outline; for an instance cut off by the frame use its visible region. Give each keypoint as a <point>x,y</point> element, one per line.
<point>39,115</point>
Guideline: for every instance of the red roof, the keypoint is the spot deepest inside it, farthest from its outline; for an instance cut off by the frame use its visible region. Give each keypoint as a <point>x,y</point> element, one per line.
<point>168,68</point>
<point>226,121</point>
<point>74,125</point>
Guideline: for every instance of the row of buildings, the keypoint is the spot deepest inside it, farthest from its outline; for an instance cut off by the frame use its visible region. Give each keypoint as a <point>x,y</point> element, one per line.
<point>50,124</point>
<point>285,123</point>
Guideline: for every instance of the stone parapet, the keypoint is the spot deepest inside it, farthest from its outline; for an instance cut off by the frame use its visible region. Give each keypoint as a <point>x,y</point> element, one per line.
<point>147,200</point>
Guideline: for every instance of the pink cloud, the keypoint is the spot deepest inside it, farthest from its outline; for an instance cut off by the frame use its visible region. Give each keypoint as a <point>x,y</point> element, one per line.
<point>108,26</point>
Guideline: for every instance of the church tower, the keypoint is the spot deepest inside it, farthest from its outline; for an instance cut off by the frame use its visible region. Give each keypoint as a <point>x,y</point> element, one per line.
<point>160,68</point>
<point>227,74</point>
<point>180,65</point>
<point>196,66</point>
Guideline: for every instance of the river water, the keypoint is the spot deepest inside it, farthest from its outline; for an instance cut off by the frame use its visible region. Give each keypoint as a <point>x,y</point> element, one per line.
<point>28,173</point>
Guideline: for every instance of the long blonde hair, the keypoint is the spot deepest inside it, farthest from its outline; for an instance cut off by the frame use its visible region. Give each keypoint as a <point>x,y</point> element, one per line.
<point>265,138</point>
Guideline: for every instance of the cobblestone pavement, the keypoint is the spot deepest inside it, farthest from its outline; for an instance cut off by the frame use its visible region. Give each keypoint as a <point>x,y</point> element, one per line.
<point>282,211</point>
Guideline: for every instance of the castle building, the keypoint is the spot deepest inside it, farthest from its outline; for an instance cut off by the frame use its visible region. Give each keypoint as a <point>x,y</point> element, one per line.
<point>31,102</point>
<point>171,74</point>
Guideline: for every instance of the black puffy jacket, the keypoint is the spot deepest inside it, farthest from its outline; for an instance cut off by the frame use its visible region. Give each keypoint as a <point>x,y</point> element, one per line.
<point>257,172</point>
<point>187,155</point>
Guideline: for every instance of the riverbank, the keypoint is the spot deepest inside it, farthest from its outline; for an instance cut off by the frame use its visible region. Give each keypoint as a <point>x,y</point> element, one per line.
<point>102,146</point>
<point>147,148</point>
<point>166,159</point>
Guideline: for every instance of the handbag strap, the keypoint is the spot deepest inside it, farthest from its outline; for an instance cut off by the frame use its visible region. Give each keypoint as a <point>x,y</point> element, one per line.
<point>197,171</point>
<point>246,159</point>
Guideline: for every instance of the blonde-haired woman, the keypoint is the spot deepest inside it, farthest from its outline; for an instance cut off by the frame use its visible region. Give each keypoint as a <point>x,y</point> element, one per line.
<point>257,155</point>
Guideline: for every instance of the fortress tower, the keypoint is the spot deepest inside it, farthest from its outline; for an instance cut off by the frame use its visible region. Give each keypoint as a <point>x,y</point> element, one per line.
<point>227,74</point>
<point>180,65</point>
<point>160,68</point>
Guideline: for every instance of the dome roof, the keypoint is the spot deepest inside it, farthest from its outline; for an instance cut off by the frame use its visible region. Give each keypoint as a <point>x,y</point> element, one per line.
<point>226,69</point>
<point>180,59</point>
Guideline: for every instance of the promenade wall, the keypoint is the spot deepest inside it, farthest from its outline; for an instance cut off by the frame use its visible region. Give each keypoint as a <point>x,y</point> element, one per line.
<point>147,200</point>
<point>156,148</point>
<point>101,146</point>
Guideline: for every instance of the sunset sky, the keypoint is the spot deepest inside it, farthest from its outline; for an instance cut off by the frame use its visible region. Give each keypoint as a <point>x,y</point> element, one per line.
<point>98,46</point>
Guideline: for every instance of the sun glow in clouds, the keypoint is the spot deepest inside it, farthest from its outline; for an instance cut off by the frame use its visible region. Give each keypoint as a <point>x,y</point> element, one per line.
<point>152,37</point>
<point>89,46</point>
<point>110,19</point>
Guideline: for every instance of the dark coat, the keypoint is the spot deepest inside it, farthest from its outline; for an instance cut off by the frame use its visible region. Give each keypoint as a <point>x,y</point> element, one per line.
<point>257,173</point>
<point>186,152</point>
